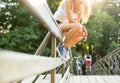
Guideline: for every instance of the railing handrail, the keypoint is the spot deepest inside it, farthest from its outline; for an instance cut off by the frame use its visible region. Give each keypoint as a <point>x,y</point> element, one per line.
<point>16,66</point>
<point>109,55</point>
<point>41,11</point>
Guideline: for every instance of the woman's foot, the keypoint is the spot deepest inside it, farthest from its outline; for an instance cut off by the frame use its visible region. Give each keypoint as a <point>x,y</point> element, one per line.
<point>63,52</point>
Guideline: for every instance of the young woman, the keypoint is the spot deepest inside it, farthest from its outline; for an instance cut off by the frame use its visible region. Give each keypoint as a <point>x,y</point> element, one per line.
<point>70,15</point>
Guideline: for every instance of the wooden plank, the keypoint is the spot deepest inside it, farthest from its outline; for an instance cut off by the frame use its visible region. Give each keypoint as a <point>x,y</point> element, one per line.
<point>15,65</point>
<point>75,79</point>
<point>41,80</point>
<point>84,79</point>
<point>92,79</point>
<point>44,15</point>
<point>70,80</point>
<point>117,78</point>
<point>65,77</point>
<point>53,54</point>
<point>107,79</point>
<point>43,44</point>
<point>28,79</point>
<point>99,79</point>
<point>78,79</point>
<point>114,79</point>
<point>103,79</point>
<point>63,69</point>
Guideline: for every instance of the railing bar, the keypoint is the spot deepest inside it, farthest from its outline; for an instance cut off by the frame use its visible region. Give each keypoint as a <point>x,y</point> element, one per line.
<point>65,76</point>
<point>40,49</point>
<point>43,44</point>
<point>53,54</point>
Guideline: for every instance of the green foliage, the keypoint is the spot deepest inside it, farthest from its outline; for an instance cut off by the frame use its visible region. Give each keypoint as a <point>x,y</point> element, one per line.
<point>94,28</point>
<point>113,8</point>
<point>103,28</point>
<point>20,31</point>
<point>25,33</point>
<point>22,39</point>
<point>112,46</point>
<point>110,31</point>
<point>53,4</point>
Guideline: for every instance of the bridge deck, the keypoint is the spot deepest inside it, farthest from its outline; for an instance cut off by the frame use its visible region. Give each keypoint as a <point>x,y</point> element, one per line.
<point>94,79</point>
<point>79,79</point>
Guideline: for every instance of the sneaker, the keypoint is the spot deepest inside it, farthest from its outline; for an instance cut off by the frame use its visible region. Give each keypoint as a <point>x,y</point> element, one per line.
<point>62,52</point>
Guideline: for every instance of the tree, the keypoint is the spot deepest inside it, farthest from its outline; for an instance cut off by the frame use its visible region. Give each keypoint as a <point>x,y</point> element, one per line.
<point>25,32</point>
<point>101,27</point>
<point>113,8</point>
<point>110,24</point>
<point>112,46</point>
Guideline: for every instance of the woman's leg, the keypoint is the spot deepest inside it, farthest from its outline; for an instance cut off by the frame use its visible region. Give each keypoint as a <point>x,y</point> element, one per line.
<point>73,32</point>
<point>80,36</point>
<point>75,40</point>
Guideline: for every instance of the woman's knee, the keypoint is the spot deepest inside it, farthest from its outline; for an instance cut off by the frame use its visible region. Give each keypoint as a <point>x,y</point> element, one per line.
<point>78,26</point>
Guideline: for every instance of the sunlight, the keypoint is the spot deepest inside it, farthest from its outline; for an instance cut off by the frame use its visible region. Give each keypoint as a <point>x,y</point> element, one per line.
<point>93,1</point>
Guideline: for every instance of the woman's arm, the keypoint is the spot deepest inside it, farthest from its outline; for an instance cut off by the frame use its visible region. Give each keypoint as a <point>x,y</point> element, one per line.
<point>78,17</point>
<point>68,11</point>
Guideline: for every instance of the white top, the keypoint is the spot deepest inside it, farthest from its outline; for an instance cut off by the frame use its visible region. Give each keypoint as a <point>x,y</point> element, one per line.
<point>90,58</point>
<point>61,13</point>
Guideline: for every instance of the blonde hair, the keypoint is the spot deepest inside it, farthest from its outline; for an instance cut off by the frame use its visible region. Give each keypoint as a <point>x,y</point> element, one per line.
<point>85,11</point>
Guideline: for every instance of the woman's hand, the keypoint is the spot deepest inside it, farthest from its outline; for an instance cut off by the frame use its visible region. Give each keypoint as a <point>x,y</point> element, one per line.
<point>84,34</point>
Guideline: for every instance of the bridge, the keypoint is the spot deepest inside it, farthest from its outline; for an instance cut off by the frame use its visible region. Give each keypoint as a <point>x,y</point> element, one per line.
<point>16,67</point>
